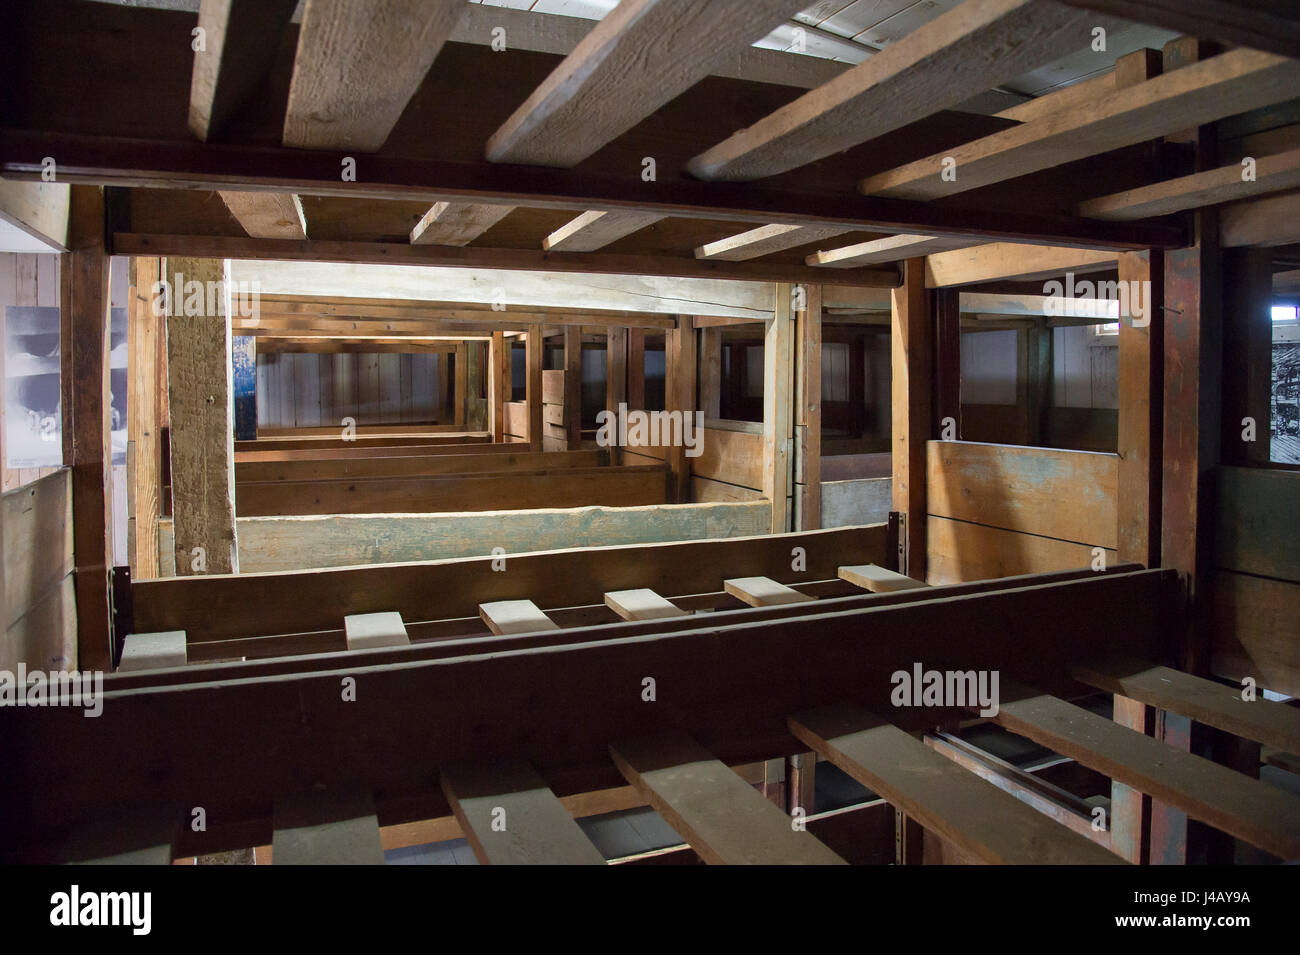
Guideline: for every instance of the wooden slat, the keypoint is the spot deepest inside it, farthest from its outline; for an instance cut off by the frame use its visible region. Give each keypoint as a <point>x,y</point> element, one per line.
<point>912,361</point>
<point>365,631</point>
<point>934,67</point>
<point>1239,805</point>
<point>878,579</point>
<point>1261,720</point>
<point>763,241</point>
<point>267,215</point>
<point>38,543</point>
<point>403,464</point>
<point>357,66</point>
<point>960,550</point>
<point>641,604</point>
<point>336,826</point>
<point>1203,92</point>
<point>1248,537</point>
<point>762,591</point>
<point>602,89</point>
<point>1009,260</point>
<point>151,651</point>
<point>946,799</point>
<point>38,208</point>
<point>595,230</point>
<point>511,817</point>
<point>725,820</point>
<point>893,248</point>
<point>514,616</point>
<point>778,400</point>
<point>1273,220</point>
<point>1253,630</point>
<point>456,223</point>
<point>146,383</point>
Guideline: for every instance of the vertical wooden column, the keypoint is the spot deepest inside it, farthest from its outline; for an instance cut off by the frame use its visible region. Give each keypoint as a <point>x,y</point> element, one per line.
<point>947,360</point>
<point>1140,410</point>
<point>615,383</point>
<point>635,369</point>
<point>680,349</point>
<point>243,356</point>
<point>534,397</point>
<point>808,409</point>
<point>778,403</point>
<point>87,422</point>
<point>573,387</point>
<point>711,372</point>
<point>911,350</point>
<point>202,426</point>
<point>461,392</point>
<point>145,340</point>
<point>1247,354</point>
<point>498,386</point>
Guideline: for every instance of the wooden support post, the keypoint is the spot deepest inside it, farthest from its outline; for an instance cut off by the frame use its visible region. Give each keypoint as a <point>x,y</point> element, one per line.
<point>145,341</point>
<point>1038,381</point>
<point>202,432</point>
<point>1247,354</point>
<point>499,386</point>
<point>778,401</point>
<point>636,369</point>
<point>87,445</point>
<point>711,372</point>
<point>573,387</point>
<point>534,397</point>
<point>808,408</point>
<point>461,371</point>
<point>679,395</point>
<point>947,363</point>
<point>910,404</point>
<point>243,355</point>
<point>615,383</point>
<point>1141,339</point>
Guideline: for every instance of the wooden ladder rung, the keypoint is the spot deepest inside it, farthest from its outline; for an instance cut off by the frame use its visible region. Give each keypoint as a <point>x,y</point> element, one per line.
<point>1261,720</point>
<point>971,813</point>
<point>878,579</point>
<point>514,616</point>
<point>725,820</point>
<point>152,651</point>
<point>1239,805</point>
<point>511,817</point>
<point>366,631</point>
<point>641,604</point>
<point>335,826</point>
<point>763,591</point>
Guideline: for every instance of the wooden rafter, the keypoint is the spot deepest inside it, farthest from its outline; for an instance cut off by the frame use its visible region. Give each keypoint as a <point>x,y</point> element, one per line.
<point>1263,26</point>
<point>895,248</point>
<point>267,215</point>
<point>763,241</point>
<point>240,39</point>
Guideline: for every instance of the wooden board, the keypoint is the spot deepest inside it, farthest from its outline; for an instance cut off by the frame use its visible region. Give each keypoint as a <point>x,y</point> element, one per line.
<point>963,551</point>
<point>37,542</point>
<point>1261,720</point>
<point>978,818</point>
<point>511,817</point>
<point>878,579</point>
<point>641,604</point>
<point>505,617</point>
<point>1248,536</point>
<point>1239,805</point>
<point>1256,630</point>
<point>241,38</point>
<point>402,464</point>
<point>336,826</point>
<point>151,651</point>
<point>733,457</point>
<point>366,631</point>
<point>762,591</point>
<point>1006,261</point>
<point>725,820</point>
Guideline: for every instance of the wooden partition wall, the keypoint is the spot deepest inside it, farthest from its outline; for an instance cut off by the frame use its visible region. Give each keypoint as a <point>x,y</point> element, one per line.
<point>39,600</point>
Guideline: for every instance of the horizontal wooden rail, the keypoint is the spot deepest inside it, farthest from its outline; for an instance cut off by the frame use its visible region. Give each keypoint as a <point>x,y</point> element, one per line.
<point>377,450</point>
<point>420,465</point>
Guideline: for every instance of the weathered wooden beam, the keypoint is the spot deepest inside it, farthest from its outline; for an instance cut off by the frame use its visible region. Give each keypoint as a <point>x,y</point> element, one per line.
<point>595,230</point>
<point>1271,221</point>
<point>267,215</point>
<point>1141,405</point>
<point>641,604</point>
<point>910,326</point>
<point>893,248</point>
<point>456,223</point>
<point>498,385</point>
<point>616,383</point>
<point>505,617</point>
<point>1001,261</point>
<point>357,67</point>
<point>878,579</point>
<point>533,366</point>
<point>763,241</point>
<point>1240,22</point>
<point>145,348</point>
<point>680,383</point>
<point>808,408</point>
<point>933,67</point>
<point>38,208</point>
<point>763,591</point>
<point>778,401</point>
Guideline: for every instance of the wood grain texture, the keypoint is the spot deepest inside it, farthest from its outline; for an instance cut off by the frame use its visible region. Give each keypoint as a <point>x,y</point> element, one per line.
<point>764,240</point>
<point>778,403</point>
<point>505,617</point>
<point>912,363</point>
<point>641,604</point>
<point>456,223</point>
<point>1255,631</point>
<point>981,820</point>
<point>241,38</point>
<point>877,579</point>
<point>1273,220</point>
<point>267,215</point>
<point>38,208</point>
<point>1010,260</point>
<point>357,67</point>
<point>595,230</point>
<point>1248,536</point>
<point>146,385</point>
<point>763,591</point>
<point>959,551</point>
<point>894,248</point>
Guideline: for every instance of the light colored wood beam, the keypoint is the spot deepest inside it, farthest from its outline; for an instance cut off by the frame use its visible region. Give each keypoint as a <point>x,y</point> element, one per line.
<point>38,208</point>
<point>365,631</point>
<point>456,223</point>
<point>641,604</point>
<point>595,230</point>
<point>877,579</point>
<point>151,651</point>
<point>267,215</point>
<point>999,261</point>
<point>763,241</point>
<point>894,248</point>
<point>1273,220</point>
<point>240,40</point>
<point>763,591</point>
<point>504,617</point>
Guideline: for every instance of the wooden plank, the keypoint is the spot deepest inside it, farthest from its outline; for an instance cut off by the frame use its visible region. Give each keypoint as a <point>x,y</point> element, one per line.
<point>498,385</point>
<point>267,215</point>
<point>734,457</point>
<point>616,380</point>
<point>1260,26</point>
<point>764,240</point>
<point>912,361</point>
<point>1248,537</point>
<point>85,400</point>
<point>1233,82</point>
<point>1261,720</point>
<point>878,579</point>
<point>505,617</point>
<point>1141,406</point>
<point>151,651</point>
<point>144,471</point>
<point>1009,260</point>
<point>457,223</point>
<point>365,631</point>
<point>511,817</point>
<point>762,591</point>
<point>460,387</point>
<point>595,230</point>
<point>1233,802</point>
<point>533,401</point>
<point>573,387</point>
<point>241,38</point>
<point>202,431</point>
<point>641,604</point>
<point>38,208</point>
<point>38,543</point>
<point>1270,221</point>
<point>1272,173</point>
<point>1253,630</point>
<point>946,799</point>
<point>808,408</point>
<point>355,69</point>
<point>778,388</point>
<point>1069,495</point>
<point>725,820</point>
<point>335,826</point>
<point>963,551</point>
<point>601,89</point>
<point>931,68</point>
<point>402,464</point>
<point>894,248</point>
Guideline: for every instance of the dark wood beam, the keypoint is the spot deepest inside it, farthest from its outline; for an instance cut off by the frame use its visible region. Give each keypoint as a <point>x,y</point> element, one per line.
<point>1271,25</point>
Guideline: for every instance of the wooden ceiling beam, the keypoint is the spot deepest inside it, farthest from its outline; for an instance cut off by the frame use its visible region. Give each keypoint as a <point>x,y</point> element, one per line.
<point>240,40</point>
<point>1273,26</point>
<point>1273,220</point>
<point>1194,95</point>
<point>765,240</point>
<point>457,223</point>
<point>974,47</point>
<point>894,248</point>
<point>267,215</point>
<point>358,65</point>
<point>595,230</point>
<point>1001,261</point>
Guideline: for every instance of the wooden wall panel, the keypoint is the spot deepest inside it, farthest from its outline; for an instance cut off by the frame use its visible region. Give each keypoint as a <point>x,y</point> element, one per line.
<point>40,620</point>
<point>959,551</point>
<point>733,457</point>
